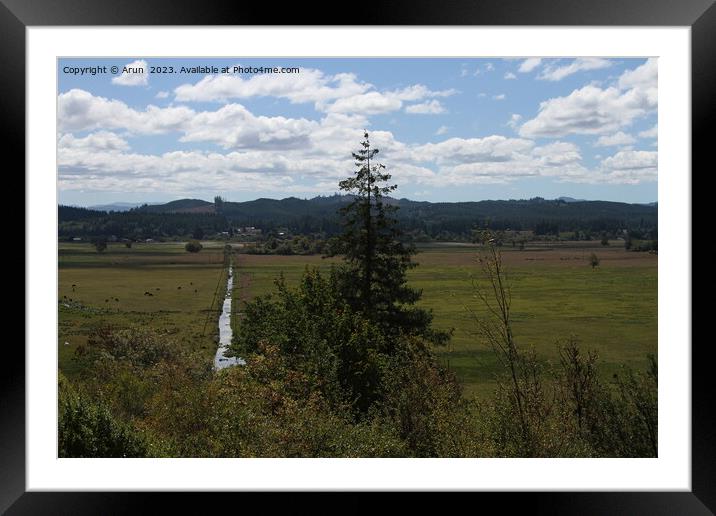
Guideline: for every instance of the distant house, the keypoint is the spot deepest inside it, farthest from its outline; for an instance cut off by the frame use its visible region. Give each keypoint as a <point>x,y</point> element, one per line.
<point>250,230</point>
<point>77,239</point>
<point>149,240</point>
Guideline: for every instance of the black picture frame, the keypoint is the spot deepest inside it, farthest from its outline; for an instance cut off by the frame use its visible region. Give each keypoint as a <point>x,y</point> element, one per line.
<point>17,15</point>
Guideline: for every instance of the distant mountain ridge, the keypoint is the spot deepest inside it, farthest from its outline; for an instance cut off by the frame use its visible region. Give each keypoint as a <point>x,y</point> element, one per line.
<point>320,215</point>
<point>179,206</point>
<point>287,204</point>
<point>303,214</point>
<point>119,206</point>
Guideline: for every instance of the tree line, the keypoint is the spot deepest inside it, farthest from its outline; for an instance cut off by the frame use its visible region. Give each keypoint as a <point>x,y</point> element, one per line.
<point>321,216</point>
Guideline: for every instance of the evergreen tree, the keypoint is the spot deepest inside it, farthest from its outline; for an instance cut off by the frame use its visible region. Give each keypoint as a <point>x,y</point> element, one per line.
<point>218,204</point>
<point>374,280</point>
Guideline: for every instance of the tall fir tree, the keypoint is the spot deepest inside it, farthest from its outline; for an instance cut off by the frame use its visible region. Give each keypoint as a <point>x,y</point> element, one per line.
<point>374,276</point>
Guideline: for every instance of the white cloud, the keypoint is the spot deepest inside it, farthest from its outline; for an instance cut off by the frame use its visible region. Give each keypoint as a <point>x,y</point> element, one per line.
<point>652,132</point>
<point>529,64</point>
<point>99,141</point>
<point>630,167</point>
<point>309,86</point>
<point>489,67</point>
<point>616,139</point>
<point>419,92</point>
<point>557,73</point>
<point>162,94</point>
<point>503,160</point>
<point>558,154</point>
<point>340,93</point>
<point>231,126</point>
<point>79,110</point>
<point>461,150</point>
<point>594,110</point>
<point>644,76</point>
<point>501,96</point>
<point>371,103</point>
<point>315,166</point>
<point>234,127</point>
<point>432,107</point>
<point>135,73</point>
<point>443,129</point>
<point>510,75</point>
<point>514,120</point>
<point>375,102</point>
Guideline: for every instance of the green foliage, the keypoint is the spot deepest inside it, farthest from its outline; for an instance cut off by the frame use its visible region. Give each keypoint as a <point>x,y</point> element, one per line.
<point>139,347</point>
<point>625,416</point>
<point>193,246</point>
<point>423,220</point>
<point>124,365</point>
<point>320,334</point>
<point>297,245</point>
<point>373,280</point>
<point>100,244</point>
<point>265,409</point>
<point>541,411</point>
<point>645,246</point>
<point>87,429</point>
<point>137,224</point>
<point>424,402</point>
<point>593,260</point>
<point>218,204</point>
<point>362,374</point>
<point>198,233</point>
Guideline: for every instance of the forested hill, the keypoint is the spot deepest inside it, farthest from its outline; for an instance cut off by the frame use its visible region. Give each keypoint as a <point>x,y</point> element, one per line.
<point>319,215</point>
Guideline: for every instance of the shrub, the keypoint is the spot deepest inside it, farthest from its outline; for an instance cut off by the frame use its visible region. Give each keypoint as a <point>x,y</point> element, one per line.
<point>423,402</point>
<point>88,429</point>
<point>265,409</point>
<point>100,244</point>
<point>193,246</point>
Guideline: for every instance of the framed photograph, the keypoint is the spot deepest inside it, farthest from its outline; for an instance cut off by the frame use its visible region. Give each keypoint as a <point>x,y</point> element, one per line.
<point>423,257</point>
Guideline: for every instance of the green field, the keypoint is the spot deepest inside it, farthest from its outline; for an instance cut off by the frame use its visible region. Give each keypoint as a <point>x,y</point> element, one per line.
<point>110,290</point>
<point>556,294</point>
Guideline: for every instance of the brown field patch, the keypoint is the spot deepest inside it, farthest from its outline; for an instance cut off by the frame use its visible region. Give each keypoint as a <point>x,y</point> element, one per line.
<point>557,256</point>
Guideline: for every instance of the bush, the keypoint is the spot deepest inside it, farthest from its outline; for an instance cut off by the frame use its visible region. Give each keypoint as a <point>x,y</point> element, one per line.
<point>87,429</point>
<point>318,333</point>
<point>423,402</point>
<point>193,246</point>
<point>265,409</point>
<point>100,244</point>
<point>542,411</point>
<point>593,260</point>
<point>625,421</point>
<point>138,347</point>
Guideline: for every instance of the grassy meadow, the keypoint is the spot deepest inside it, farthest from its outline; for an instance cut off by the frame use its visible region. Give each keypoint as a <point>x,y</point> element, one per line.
<point>555,294</point>
<point>109,289</point>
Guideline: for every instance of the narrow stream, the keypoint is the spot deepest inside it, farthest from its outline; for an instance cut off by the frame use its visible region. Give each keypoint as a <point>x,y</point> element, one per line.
<point>221,360</point>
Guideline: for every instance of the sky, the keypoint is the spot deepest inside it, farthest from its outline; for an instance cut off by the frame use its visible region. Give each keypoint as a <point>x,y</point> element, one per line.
<point>448,129</point>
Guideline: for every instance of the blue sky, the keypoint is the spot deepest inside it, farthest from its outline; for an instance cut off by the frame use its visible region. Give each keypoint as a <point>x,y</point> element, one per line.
<point>447,129</point>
